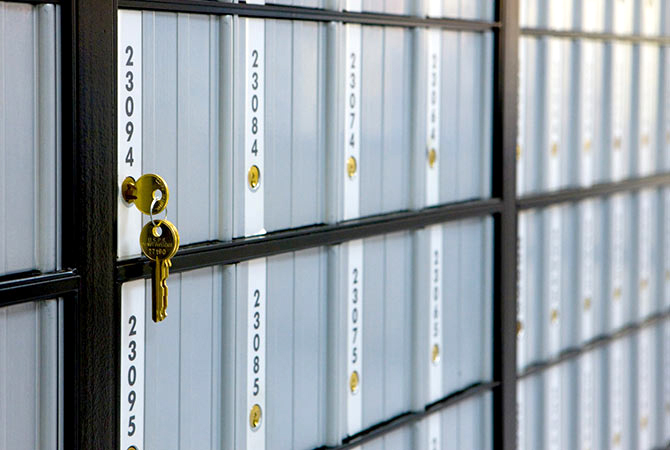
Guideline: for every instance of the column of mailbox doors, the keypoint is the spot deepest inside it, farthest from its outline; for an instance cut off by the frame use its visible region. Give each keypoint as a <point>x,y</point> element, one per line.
<point>90,288</point>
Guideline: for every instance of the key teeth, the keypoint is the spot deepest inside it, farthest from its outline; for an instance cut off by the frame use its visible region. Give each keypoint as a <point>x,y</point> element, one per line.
<point>159,316</point>
<point>163,309</point>
<point>166,270</point>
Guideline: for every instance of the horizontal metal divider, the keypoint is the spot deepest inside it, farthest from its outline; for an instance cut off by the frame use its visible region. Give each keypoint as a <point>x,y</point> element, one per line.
<point>598,190</point>
<point>220,253</point>
<point>408,418</point>
<point>34,2</point>
<point>272,11</point>
<point>635,38</point>
<point>38,287</point>
<point>596,342</point>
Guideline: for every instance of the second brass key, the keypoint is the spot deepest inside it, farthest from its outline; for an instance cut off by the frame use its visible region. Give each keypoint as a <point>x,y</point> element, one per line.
<point>159,242</point>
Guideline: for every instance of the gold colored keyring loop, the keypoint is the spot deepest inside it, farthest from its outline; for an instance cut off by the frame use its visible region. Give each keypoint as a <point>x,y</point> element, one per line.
<point>151,216</point>
<point>151,208</point>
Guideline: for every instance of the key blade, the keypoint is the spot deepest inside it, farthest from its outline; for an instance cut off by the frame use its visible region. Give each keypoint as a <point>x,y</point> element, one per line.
<point>157,292</point>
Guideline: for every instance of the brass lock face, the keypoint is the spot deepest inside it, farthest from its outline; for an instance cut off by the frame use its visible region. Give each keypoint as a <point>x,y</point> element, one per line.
<point>644,284</point>
<point>432,157</point>
<point>587,146</point>
<point>352,166</point>
<point>353,382</point>
<point>254,177</point>
<point>149,193</point>
<point>435,354</point>
<point>644,421</point>
<point>255,416</point>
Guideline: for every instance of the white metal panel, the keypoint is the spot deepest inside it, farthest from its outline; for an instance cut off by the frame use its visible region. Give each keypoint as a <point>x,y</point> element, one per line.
<point>30,363</point>
<point>29,137</point>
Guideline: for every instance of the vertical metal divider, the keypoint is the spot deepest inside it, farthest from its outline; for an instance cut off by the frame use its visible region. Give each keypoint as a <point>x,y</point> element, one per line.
<point>91,336</point>
<point>70,372</point>
<point>505,245</point>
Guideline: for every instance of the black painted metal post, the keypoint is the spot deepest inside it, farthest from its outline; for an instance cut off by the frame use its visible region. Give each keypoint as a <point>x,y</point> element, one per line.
<point>504,186</point>
<point>89,218</point>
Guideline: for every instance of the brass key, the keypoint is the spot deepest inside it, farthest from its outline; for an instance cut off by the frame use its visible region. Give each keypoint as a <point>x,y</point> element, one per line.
<point>150,193</point>
<point>159,243</point>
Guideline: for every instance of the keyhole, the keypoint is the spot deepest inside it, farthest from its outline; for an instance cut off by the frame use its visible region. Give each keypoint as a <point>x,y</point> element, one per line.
<point>158,194</point>
<point>157,231</point>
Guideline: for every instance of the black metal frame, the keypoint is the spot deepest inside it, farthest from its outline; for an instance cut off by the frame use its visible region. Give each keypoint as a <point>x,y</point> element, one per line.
<point>273,11</point>
<point>33,2</point>
<point>408,418</point>
<point>596,342</point>
<point>89,192</point>
<point>38,287</point>
<point>634,38</point>
<point>212,253</point>
<point>597,190</point>
<point>91,289</point>
<point>505,249</point>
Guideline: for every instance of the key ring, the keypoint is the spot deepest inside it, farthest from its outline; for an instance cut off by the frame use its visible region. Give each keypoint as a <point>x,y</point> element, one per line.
<point>151,208</point>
